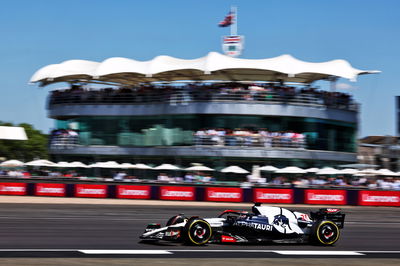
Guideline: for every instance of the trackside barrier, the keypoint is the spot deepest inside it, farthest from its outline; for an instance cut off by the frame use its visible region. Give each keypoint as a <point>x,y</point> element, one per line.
<point>91,191</point>
<point>133,192</point>
<point>273,195</point>
<point>17,189</point>
<point>201,193</point>
<point>51,189</point>
<point>324,196</point>
<point>177,193</point>
<point>379,198</point>
<point>230,194</point>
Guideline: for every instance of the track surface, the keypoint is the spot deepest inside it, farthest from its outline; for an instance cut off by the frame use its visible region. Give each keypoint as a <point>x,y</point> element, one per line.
<point>110,227</point>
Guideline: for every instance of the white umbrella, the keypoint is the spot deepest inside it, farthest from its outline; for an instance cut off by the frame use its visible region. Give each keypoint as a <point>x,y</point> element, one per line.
<point>269,168</point>
<point>291,170</point>
<point>312,170</point>
<point>328,171</point>
<point>12,163</point>
<point>386,172</point>
<point>109,164</point>
<point>127,166</point>
<point>63,165</point>
<point>166,166</point>
<point>199,168</point>
<point>41,163</point>
<point>234,169</point>
<point>367,172</point>
<point>78,165</point>
<point>142,166</point>
<point>348,171</point>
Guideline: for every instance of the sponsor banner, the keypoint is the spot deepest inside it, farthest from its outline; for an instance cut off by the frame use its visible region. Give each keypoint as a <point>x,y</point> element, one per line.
<point>50,189</point>
<point>13,189</point>
<point>322,196</point>
<point>273,195</point>
<point>133,192</point>
<point>90,191</point>
<point>177,193</point>
<point>231,194</point>
<point>379,198</point>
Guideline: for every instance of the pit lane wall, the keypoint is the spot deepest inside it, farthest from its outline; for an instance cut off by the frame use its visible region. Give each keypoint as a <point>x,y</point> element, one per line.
<point>197,193</point>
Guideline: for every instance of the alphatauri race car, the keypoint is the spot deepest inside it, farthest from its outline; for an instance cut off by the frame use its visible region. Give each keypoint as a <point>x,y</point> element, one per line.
<point>264,224</point>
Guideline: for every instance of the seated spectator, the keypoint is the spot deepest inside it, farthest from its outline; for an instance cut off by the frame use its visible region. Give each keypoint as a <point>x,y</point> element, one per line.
<point>163,177</point>
<point>119,176</point>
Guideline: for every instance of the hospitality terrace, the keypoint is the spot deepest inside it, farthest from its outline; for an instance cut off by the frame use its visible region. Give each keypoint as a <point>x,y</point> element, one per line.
<point>251,111</point>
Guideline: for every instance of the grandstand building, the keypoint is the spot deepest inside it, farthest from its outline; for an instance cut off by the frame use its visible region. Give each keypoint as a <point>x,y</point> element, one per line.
<point>215,110</point>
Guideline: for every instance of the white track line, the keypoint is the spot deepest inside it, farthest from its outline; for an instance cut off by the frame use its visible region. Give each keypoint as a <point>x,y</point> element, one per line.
<point>318,252</point>
<point>172,251</point>
<point>127,251</point>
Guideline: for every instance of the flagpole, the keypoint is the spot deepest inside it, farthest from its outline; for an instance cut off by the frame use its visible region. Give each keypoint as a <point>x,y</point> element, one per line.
<point>234,24</point>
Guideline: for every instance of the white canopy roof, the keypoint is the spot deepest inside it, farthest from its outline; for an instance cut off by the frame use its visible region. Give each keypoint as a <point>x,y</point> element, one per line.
<point>12,133</point>
<point>214,66</point>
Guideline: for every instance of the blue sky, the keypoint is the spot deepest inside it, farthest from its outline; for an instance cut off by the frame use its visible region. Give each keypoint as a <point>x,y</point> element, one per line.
<point>41,32</point>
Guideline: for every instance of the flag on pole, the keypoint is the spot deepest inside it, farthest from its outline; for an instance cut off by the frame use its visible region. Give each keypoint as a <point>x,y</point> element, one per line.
<point>228,20</point>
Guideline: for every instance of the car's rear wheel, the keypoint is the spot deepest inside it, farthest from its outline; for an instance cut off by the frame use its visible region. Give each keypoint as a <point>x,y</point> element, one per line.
<point>197,232</point>
<point>325,233</point>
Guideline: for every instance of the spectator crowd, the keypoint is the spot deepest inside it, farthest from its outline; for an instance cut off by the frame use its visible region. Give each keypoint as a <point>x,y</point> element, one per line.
<point>372,182</point>
<point>250,138</point>
<point>63,137</point>
<point>196,177</point>
<point>278,92</point>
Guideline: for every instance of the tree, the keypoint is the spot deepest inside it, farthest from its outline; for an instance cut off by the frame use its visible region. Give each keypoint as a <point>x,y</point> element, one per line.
<point>25,150</point>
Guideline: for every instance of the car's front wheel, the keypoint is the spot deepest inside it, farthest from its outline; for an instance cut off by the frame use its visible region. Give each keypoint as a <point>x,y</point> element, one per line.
<point>325,233</point>
<point>197,232</point>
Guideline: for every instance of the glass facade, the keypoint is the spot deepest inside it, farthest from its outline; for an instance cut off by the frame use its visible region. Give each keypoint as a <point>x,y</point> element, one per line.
<point>175,130</point>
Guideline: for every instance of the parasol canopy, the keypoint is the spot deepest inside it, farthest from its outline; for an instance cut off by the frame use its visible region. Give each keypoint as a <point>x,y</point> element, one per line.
<point>291,170</point>
<point>269,168</point>
<point>166,166</point>
<point>12,163</point>
<point>328,171</point>
<point>41,162</point>
<point>199,168</point>
<point>234,169</point>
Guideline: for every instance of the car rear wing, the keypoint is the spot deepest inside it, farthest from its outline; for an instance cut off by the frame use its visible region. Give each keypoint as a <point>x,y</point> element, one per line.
<point>334,215</point>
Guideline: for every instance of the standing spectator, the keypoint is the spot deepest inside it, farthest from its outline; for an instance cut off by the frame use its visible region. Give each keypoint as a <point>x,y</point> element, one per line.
<point>189,178</point>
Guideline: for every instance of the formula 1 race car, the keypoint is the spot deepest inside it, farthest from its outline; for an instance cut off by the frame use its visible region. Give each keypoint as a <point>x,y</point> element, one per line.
<point>263,224</point>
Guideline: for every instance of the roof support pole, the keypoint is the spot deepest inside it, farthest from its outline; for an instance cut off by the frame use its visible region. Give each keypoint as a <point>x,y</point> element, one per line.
<point>332,81</point>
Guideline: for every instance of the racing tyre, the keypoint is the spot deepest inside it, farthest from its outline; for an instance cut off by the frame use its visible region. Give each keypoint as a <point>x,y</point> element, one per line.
<point>197,232</point>
<point>325,233</point>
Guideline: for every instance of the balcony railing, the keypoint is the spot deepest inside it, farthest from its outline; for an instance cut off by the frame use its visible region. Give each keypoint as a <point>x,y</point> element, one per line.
<point>182,97</point>
<point>68,142</point>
